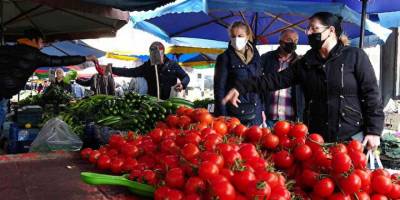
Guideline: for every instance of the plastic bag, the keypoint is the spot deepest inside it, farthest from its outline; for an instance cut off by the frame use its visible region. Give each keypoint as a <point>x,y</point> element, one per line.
<point>373,159</point>
<point>175,93</point>
<point>56,135</point>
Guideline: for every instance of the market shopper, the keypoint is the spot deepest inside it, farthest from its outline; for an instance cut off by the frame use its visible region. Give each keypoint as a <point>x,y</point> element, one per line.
<point>168,73</point>
<point>100,83</point>
<point>239,62</point>
<point>340,88</point>
<point>288,103</point>
<point>59,81</point>
<point>18,62</point>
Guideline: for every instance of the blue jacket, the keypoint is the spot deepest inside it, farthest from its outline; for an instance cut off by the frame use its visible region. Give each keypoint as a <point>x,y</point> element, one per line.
<point>230,68</point>
<point>270,64</point>
<point>167,74</point>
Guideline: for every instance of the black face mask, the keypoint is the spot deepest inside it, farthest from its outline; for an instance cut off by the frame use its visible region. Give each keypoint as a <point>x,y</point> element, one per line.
<point>315,40</point>
<point>288,47</point>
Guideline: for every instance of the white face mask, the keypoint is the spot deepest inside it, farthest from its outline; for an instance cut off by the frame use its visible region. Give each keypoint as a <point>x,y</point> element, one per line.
<point>239,42</point>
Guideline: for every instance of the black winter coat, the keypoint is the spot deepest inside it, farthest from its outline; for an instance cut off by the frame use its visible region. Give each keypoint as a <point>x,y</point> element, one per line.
<point>341,93</point>
<point>230,68</point>
<point>270,64</point>
<point>168,74</point>
<point>18,62</point>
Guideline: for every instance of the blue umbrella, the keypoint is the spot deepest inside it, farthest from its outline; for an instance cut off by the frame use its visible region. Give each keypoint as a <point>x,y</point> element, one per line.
<point>66,48</point>
<point>209,19</point>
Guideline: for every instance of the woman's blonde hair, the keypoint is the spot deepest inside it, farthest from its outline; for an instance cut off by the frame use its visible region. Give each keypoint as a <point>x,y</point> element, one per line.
<point>240,24</point>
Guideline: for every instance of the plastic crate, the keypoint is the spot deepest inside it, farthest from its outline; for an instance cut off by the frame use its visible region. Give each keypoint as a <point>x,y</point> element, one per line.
<point>29,114</point>
<point>19,140</point>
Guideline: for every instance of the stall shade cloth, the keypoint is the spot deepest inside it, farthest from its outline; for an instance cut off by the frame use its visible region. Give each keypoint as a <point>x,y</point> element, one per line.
<point>61,19</point>
<point>131,5</point>
<point>71,48</point>
<point>209,19</point>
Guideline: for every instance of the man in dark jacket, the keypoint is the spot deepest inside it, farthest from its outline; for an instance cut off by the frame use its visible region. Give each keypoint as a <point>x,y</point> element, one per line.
<point>100,84</point>
<point>168,72</point>
<point>285,104</point>
<point>18,62</point>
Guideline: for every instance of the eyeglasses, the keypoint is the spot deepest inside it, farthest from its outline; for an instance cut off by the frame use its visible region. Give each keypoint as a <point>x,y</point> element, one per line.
<point>315,29</point>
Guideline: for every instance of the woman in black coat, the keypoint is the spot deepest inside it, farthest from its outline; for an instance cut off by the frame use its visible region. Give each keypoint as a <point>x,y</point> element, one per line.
<point>239,62</point>
<point>340,88</point>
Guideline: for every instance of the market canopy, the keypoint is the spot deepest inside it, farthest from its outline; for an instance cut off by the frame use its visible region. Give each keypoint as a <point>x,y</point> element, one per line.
<point>71,48</point>
<point>131,5</point>
<point>209,19</point>
<point>60,20</point>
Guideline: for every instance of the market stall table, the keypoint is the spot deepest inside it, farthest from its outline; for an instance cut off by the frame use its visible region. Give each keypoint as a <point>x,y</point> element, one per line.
<point>56,175</point>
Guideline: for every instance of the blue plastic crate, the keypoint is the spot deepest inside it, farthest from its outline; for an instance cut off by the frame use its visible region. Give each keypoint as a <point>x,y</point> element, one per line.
<point>19,140</point>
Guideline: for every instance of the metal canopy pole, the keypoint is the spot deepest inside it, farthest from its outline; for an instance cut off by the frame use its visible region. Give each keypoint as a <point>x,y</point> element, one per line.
<point>363,18</point>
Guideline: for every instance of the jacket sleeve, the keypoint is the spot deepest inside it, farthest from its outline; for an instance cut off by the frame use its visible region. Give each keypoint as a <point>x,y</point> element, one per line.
<point>131,72</point>
<point>271,81</point>
<point>220,83</point>
<point>370,96</point>
<point>182,75</point>
<point>54,61</point>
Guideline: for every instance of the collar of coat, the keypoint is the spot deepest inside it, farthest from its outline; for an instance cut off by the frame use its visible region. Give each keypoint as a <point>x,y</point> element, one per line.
<point>313,59</point>
<point>293,58</point>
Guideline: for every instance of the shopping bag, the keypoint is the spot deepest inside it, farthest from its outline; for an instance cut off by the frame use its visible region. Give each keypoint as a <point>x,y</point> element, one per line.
<point>373,159</point>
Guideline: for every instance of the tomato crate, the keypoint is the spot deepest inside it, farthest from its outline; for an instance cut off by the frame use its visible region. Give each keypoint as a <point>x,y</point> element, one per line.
<point>19,140</point>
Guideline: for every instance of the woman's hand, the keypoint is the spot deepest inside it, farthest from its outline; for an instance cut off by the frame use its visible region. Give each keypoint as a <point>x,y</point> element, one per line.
<point>232,97</point>
<point>372,141</point>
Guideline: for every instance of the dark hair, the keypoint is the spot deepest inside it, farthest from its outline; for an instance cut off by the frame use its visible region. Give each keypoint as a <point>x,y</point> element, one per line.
<point>330,19</point>
<point>33,34</point>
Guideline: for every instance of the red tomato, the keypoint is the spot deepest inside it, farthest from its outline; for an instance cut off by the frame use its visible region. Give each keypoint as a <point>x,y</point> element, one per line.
<point>184,121</point>
<point>104,162</point>
<point>208,170</point>
<point>201,126</point>
<point>227,173</point>
<point>350,184</point>
<point>362,196</point>
<point>175,178</point>
<point>283,159</point>
<point>341,162</point>
<point>161,193</point>
<point>220,127</point>
<point>324,187</point>
<point>242,179</point>
<point>302,152</point>
<point>299,130</point>
<point>85,153</point>
<point>355,145</point>
<point>265,131</point>
<point>257,163</point>
<point>193,197</point>
<point>213,157</point>
<point>379,197</point>
<point>359,159</point>
<point>190,151</point>
<point>381,184</point>
<point>280,193</point>
<point>254,134</point>
<point>224,147</point>
<point>115,141</point>
<point>192,137</point>
<point>339,196</point>
<point>240,130</point>
<point>172,121</point>
<point>116,165</point>
<point>207,131</point>
<point>248,151</point>
<point>271,178</point>
<point>181,110</point>
<point>129,164</point>
<point>205,118</point>
<point>149,177</point>
<point>282,128</point>
<point>211,141</point>
<point>270,141</point>
<point>395,192</point>
<point>382,172</point>
<point>130,150</point>
<point>395,178</point>
<point>338,148</point>
<point>309,178</point>
<point>94,155</point>
<point>223,191</point>
<point>315,141</point>
<point>168,146</point>
<point>173,194</point>
<point>195,185</point>
<point>231,157</point>
<point>258,190</point>
<point>285,142</point>
<point>365,178</point>
<point>156,135</point>
<point>322,159</point>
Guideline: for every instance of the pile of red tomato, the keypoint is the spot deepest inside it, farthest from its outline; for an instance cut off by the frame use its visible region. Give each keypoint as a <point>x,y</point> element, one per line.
<point>193,155</point>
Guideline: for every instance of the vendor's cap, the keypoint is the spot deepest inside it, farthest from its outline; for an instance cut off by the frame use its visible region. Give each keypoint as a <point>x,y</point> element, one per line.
<point>157,45</point>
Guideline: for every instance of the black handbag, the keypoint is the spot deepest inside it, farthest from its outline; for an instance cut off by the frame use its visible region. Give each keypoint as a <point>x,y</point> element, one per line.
<point>245,112</point>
